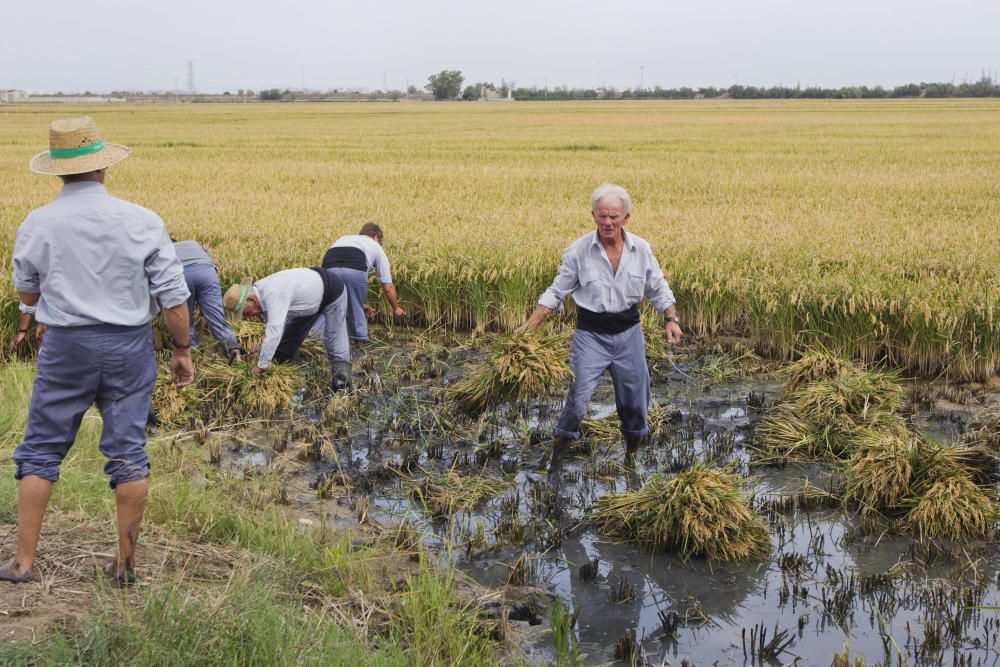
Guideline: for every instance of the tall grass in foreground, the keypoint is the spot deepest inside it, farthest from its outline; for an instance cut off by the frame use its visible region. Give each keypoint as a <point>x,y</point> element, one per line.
<point>699,512</point>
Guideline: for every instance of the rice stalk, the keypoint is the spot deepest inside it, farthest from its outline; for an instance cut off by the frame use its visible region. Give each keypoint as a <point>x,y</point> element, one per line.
<point>517,368</point>
<point>452,492</point>
<point>699,512</point>
<point>953,507</point>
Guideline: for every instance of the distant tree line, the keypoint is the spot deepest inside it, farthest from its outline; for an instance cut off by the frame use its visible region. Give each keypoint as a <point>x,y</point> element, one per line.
<point>447,85</point>
<point>983,88</point>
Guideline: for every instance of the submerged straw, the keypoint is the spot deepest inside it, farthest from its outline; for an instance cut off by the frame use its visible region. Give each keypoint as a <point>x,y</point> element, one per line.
<point>670,358</point>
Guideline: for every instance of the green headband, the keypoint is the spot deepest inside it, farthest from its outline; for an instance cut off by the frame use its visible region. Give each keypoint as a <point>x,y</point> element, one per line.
<point>77,152</point>
<point>243,297</point>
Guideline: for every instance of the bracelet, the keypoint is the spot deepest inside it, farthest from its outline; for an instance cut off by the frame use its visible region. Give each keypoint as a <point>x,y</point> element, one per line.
<point>22,331</point>
<point>672,318</point>
<point>174,344</point>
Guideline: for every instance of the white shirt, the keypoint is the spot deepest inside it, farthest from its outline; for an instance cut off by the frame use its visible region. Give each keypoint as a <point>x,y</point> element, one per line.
<point>284,295</point>
<point>96,259</point>
<point>586,274</point>
<point>374,254</point>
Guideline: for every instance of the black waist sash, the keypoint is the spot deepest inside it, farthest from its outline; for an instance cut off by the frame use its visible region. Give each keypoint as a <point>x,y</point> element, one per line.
<point>333,287</point>
<point>345,258</point>
<point>607,323</point>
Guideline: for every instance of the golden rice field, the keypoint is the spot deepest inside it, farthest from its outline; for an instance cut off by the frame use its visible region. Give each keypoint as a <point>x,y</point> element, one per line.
<point>870,226</point>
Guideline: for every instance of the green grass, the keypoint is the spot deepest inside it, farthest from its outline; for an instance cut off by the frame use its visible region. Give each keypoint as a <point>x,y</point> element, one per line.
<point>264,615</point>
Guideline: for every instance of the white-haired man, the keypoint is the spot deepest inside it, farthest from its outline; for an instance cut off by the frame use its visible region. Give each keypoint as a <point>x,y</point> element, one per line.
<point>608,271</point>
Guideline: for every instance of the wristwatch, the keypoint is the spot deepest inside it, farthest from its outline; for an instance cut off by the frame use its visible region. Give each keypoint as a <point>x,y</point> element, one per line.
<point>672,318</point>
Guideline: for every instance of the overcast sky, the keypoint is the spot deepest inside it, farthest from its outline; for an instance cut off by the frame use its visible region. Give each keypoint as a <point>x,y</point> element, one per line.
<point>103,45</point>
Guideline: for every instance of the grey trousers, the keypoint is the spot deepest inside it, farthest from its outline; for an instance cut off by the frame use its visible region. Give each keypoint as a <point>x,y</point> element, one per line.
<point>203,283</point>
<point>78,366</point>
<point>593,353</point>
<point>356,286</point>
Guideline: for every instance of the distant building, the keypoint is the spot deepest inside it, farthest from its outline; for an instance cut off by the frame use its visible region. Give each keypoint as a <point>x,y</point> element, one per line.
<point>11,95</point>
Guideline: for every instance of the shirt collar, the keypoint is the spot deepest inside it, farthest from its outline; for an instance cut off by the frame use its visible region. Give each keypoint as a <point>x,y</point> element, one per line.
<point>82,187</point>
<point>629,243</point>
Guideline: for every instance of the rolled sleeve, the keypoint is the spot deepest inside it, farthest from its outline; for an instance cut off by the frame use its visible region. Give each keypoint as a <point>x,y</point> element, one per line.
<point>165,273</point>
<point>566,281</point>
<point>657,289</point>
<point>382,267</point>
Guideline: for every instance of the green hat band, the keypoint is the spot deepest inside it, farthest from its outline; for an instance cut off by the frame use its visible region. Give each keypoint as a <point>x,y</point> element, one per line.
<point>77,152</point>
<point>243,297</point>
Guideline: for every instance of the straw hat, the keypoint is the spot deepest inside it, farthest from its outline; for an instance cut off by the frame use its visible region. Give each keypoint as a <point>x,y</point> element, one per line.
<point>235,298</point>
<point>76,147</point>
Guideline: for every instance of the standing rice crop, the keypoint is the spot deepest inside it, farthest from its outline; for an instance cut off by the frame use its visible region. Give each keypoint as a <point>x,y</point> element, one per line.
<point>517,368</point>
<point>699,512</point>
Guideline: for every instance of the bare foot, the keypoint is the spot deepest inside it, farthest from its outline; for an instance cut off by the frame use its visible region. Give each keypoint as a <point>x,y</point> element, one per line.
<point>9,572</point>
<point>121,575</point>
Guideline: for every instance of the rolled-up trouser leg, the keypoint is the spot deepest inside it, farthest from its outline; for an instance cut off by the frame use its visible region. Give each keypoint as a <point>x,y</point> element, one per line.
<point>128,373</point>
<point>209,297</point>
<point>114,366</point>
<point>65,387</point>
<point>356,286</point>
<point>630,374</point>
<point>590,355</point>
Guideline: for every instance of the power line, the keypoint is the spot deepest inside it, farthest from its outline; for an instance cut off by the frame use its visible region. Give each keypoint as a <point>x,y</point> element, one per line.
<point>190,77</point>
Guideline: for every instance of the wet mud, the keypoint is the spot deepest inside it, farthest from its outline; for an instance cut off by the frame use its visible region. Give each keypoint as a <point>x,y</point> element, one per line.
<point>832,582</point>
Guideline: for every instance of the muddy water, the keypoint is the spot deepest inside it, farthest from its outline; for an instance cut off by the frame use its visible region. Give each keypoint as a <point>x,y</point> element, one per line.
<point>829,583</point>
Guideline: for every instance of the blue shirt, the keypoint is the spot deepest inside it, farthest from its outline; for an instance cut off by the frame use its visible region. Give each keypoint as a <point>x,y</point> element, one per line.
<point>586,273</point>
<point>95,259</point>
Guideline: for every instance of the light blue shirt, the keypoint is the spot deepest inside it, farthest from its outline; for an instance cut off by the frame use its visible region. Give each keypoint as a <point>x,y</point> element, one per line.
<point>586,274</point>
<point>95,259</point>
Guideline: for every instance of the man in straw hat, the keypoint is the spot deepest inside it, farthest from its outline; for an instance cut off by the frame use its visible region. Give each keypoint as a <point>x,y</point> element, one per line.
<point>97,269</point>
<point>608,272</point>
<point>291,301</point>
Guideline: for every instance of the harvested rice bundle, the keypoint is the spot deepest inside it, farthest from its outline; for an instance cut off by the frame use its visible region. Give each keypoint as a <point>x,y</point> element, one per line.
<point>518,367</point>
<point>986,433</point>
<point>953,507</point>
<point>249,333</point>
<point>817,364</point>
<point>858,394</point>
<point>452,492</point>
<point>699,512</point>
<point>881,470</point>
<point>174,407</point>
<point>243,396</point>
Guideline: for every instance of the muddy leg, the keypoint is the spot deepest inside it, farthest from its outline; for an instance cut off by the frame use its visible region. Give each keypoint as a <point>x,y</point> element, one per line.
<point>632,443</point>
<point>130,499</point>
<point>33,495</point>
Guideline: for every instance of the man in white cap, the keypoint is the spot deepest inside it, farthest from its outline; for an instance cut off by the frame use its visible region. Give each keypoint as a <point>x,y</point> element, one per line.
<point>608,271</point>
<point>96,270</point>
<point>291,301</point>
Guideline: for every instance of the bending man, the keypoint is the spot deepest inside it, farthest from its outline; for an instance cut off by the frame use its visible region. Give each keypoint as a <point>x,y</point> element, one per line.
<point>203,283</point>
<point>95,267</point>
<point>608,271</point>
<point>291,301</point>
<point>352,257</point>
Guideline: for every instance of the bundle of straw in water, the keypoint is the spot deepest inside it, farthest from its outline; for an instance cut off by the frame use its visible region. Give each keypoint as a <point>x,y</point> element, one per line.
<point>244,396</point>
<point>699,512</point>
<point>880,471</point>
<point>453,492</point>
<point>518,367</point>
<point>816,364</point>
<point>953,507</point>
